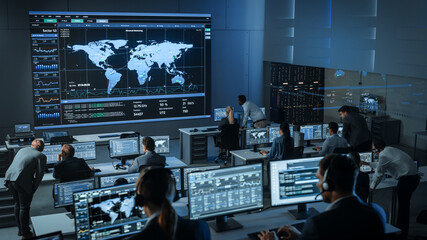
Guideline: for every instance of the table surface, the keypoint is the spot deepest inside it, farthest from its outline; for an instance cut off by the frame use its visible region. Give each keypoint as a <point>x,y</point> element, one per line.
<point>200,130</point>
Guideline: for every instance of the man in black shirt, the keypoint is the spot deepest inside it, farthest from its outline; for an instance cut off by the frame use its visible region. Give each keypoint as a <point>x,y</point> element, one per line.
<point>70,168</point>
<point>355,130</point>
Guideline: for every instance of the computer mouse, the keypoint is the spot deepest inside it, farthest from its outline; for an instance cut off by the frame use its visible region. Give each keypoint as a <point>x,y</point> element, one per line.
<point>195,130</point>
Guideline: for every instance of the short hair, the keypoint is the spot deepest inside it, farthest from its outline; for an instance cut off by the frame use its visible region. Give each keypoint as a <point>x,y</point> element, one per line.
<point>342,172</point>
<point>120,181</point>
<point>242,98</point>
<point>355,156</point>
<point>149,144</point>
<point>345,108</point>
<point>68,150</point>
<point>333,126</point>
<point>379,144</point>
<point>38,144</point>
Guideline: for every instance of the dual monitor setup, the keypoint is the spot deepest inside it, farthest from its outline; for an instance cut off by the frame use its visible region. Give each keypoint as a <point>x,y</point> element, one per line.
<point>104,211</point>
<point>220,113</point>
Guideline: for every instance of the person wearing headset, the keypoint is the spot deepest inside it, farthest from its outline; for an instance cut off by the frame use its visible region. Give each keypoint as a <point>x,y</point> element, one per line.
<point>155,190</point>
<point>347,217</point>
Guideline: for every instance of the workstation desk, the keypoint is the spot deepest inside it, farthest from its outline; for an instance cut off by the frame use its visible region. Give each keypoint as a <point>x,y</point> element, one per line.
<point>193,143</point>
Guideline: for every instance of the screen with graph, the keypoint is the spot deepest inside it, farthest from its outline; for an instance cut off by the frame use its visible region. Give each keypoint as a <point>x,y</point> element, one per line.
<point>95,68</point>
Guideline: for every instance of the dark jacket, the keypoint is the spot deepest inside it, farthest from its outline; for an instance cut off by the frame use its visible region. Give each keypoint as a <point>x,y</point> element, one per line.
<point>150,158</point>
<point>350,218</point>
<point>72,169</point>
<point>362,186</point>
<point>186,229</point>
<point>355,129</point>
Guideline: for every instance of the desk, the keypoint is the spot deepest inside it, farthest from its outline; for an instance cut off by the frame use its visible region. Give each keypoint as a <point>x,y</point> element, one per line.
<point>193,145</point>
<point>107,168</point>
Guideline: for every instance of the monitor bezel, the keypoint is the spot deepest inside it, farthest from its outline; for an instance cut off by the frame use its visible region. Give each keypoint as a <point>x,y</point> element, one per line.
<point>310,125</point>
<point>123,139</point>
<point>236,210</point>
<point>92,179</point>
<point>256,129</point>
<point>293,203</point>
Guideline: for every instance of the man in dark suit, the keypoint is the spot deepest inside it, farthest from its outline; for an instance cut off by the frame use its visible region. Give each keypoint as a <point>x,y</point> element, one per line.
<point>70,168</point>
<point>355,130</point>
<point>22,178</point>
<point>150,157</point>
<point>347,217</point>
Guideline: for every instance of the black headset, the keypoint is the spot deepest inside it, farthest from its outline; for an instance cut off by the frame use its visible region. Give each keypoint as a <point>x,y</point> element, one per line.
<point>139,199</point>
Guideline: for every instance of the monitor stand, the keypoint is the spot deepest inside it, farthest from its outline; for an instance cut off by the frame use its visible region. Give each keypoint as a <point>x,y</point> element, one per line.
<point>303,211</point>
<point>308,144</point>
<point>122,164</point>
<point>222,224</point>
<point>255,148</point>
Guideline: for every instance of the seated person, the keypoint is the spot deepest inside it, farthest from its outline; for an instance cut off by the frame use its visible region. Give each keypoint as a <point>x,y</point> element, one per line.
<point>155,190</point>
<point>229,119</point>
<point>347,217</point>
<point>70,168</point>
<point>333,141</point>
<point>150,157</point>
<point>362,182</point>
<point>282,145</point>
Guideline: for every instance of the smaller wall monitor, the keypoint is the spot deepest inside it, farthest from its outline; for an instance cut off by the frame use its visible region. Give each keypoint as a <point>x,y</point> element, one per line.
<point>312,132</point>
<point>124,147</point>
<point>196,169</point>
<point>366,157</point>
<point>23,128</point>
<point>108,213</point>
<point>220,192</point>
<point>47,136</point>
<point>108,180</point>
<point>161,142</point>
<point>294,182</point>
<point>326,130</point>
<point>52,152</point>
<point>63,192</point>
<point>85,150</point>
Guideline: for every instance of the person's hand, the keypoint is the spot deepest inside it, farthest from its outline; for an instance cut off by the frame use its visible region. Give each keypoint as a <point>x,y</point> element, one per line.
<point>318,148</point>
<point>59,157</point>
<point>266,235</point>
<point>263,152</point>
<point>291,232</point>
<point>132,163</point>
<point>92,168</point>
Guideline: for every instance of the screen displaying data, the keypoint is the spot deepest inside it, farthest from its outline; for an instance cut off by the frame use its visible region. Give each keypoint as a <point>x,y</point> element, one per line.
<point>312,132</point>
<point>108,181</point>
<point>124,147</point>
<point>178,177</point>
<point>161,142</point>
<point>195,169</point>
<point>326,130</point>
<point>273,132</point>
<point>52,152</point>
<point>256,136</point>
<point>224,191</point>
<point>219,113</point>
<point>47,136</point>
<point>85,150</point>
<point>108,213</point>
<point>63,192</point>
<point>294,181</point>
<point>23,128</point>
<point>366,157</point>
<point>98,68</point>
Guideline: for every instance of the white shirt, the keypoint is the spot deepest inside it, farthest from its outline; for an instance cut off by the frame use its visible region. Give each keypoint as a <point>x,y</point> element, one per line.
<point>250,109</point>
<point>394,161</point>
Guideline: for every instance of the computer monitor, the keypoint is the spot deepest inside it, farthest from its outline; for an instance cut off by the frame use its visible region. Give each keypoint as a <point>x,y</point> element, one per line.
<point>326,130</point>
<point>23,128</point>
<point>256,136</point>
<point>188,170</point>
<point>262,110</point>
<point>50,236</point>
<point>52,152</point>
<point>47,136</point>
<point>63,192</point>
<point>177,173</point>
<point>85,150</point>
<point>294,182</point>
<point>218,193</point>
<point>273,132</point>
<point>124,147</point>
<point>108,180</point>
<point>107,213</point>
<point>220,113</point>
<point>366,157</point>
<point>161,143</point>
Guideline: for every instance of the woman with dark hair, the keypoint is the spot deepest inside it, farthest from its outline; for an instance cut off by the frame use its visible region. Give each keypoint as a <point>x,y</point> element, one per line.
<point>282,146</point>
<point>155,190</point>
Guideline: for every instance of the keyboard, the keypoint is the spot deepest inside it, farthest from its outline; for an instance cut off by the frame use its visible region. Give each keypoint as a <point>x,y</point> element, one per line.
<point>298,226</point>
<point>209,129</point>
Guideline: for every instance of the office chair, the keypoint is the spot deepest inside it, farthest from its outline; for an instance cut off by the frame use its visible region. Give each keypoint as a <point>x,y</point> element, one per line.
<point>422,219</point>
<point>229,140</point>
<point>342,150</point>
<point>154,165</point>
<point>297,152</point>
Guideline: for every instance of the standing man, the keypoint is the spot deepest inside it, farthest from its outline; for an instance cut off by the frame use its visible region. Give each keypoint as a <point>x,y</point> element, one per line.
<point>347,217</point>
<point>70,168</point>
<point>333,141</point>
<point>150,157</point>
<point>401,167</point>
<point>355,130</point>
<point>251,110</point>
<point>22,178</point>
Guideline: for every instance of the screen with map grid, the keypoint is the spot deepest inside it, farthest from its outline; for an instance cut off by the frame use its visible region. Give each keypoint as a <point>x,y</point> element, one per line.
<point>95,68</point>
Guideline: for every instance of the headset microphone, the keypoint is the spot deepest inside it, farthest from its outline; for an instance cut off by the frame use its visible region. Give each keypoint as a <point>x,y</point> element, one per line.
<point>319,194</point>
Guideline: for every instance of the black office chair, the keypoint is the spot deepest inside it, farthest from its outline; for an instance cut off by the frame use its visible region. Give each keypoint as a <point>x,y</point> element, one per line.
<point>154,165</point>
<point>342,150</point>
<point>229,140</point>
<point>77,175</point>
<point>297,152</point>
<point>422,219</point>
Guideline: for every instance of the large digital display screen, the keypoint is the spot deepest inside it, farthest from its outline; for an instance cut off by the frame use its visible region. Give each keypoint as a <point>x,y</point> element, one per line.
<point>95,68</point>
